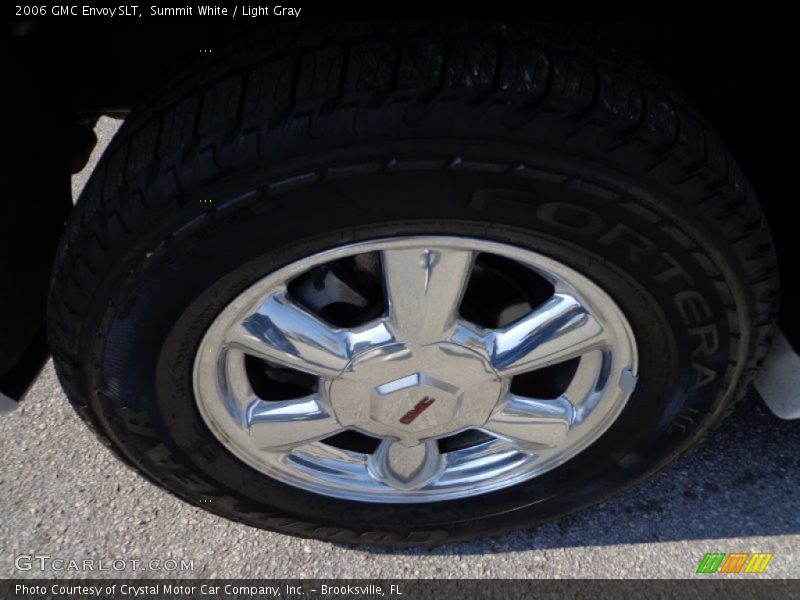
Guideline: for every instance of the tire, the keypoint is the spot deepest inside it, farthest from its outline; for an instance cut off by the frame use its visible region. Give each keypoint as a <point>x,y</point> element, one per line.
<point>287,147</point>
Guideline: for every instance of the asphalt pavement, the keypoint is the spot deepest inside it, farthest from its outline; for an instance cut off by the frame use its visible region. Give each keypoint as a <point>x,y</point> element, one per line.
<point>63,494</point>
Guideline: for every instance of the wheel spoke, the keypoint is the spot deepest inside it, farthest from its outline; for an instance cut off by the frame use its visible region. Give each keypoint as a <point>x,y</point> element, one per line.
<point>289,423</point>
<point>239,394</point>
<point>424,288</point>
<point>406,467</point>
<point>559,330</point>
<point>584,381</point>
<point>531,423</point>
<point>283,332</point>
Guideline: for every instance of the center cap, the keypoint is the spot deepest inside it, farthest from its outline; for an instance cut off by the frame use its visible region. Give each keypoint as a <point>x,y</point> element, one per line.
<point>414,393</point>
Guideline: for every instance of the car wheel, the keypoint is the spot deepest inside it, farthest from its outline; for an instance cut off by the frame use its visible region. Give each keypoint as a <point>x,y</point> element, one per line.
<point>402,287</point>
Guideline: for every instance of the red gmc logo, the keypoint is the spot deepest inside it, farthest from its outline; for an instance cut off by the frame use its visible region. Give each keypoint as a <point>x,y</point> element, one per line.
<point>418,409</point>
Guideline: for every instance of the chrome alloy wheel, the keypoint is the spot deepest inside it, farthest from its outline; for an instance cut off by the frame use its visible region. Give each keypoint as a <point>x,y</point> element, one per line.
<point>416,375</point>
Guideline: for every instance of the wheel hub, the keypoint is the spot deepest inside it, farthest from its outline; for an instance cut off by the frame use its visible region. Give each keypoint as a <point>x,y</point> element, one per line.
<point>414,373</point>
<point>414,393</point>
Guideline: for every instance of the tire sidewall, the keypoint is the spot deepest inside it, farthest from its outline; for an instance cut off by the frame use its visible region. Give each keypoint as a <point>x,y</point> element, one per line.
<point>630,239</point>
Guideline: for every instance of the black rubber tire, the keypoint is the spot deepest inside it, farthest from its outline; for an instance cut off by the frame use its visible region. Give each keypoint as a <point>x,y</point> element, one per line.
<point>297,143</point>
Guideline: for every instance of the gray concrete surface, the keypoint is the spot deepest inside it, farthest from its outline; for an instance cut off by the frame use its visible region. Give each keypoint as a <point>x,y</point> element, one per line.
<point>64,495</point>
